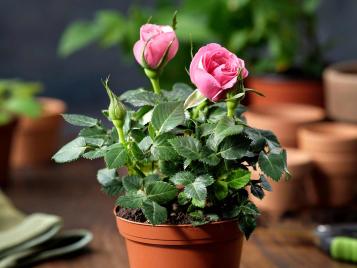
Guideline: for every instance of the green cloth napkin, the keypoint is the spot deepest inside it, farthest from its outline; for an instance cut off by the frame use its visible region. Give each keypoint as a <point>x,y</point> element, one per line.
<point>29,239</point>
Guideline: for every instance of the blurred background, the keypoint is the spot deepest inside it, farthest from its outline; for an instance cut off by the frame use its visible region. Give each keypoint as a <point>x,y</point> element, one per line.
<point>302,54</point>
<point>31,32</point>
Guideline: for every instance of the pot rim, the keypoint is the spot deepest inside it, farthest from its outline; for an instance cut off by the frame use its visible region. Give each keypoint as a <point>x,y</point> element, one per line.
<point>171,225</point>
<point>330,131</point>
<point>51,107</point>
<point>313,113</point>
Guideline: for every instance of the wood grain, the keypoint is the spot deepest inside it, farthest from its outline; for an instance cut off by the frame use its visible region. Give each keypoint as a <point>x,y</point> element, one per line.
<point>72,192</point>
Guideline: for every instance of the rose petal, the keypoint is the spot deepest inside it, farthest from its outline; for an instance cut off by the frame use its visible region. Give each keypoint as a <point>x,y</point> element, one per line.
<point>138,51</point>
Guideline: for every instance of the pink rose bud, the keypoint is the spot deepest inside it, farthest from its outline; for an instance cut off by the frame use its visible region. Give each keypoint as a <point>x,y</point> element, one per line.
<point>157,46</point>
<point>214,70</point>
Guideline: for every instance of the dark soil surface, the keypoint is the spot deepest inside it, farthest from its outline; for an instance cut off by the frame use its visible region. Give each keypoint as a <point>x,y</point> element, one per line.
<point>137,215</point>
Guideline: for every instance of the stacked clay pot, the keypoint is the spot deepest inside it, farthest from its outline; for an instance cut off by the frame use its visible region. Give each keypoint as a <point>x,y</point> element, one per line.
<point>333,149</point>
<point>340,82</point>
<point>283,119</point>
<point>285,89</point>
<point>36,140</point>
<point>288,195</point>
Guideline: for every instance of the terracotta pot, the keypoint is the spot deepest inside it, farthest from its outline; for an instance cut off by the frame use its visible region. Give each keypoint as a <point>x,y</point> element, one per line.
<point>283,119</point>
<point>213,245</point>
<point>288,195</point>
<point>36,140</point>
<point>340,81</point>
<point>6,137</point>
<point>333,148</point>
<point>280,89</point>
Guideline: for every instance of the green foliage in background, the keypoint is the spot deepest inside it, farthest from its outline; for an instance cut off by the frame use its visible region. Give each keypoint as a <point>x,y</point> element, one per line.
<point>272,36</point>
<point>17,98</point>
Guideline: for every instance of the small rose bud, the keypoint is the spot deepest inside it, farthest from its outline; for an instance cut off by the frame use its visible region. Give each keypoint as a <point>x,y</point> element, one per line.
<point>116,109</point>
<point>158,44</point>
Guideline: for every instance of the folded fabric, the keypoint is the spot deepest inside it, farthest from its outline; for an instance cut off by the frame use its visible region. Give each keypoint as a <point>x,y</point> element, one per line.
<point>29,239</point>
<point>67,242</point>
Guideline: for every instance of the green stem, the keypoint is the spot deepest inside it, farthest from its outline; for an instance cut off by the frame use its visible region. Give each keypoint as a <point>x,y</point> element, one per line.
<point>155,85</point>
<point>198,108</point>
<point>231,107</point>
<point>119,127</point>
<point>139,172</point>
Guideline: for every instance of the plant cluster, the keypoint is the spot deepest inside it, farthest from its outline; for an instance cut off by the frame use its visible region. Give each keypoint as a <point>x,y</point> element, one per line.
<point>17,98</point>
<point>185,150</point>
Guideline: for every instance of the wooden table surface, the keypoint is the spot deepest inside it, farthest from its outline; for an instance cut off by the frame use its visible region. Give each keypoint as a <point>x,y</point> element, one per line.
<point>71,191</point>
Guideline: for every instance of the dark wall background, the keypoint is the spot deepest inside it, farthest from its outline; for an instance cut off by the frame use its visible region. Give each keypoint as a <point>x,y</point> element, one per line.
<point>30,30</point>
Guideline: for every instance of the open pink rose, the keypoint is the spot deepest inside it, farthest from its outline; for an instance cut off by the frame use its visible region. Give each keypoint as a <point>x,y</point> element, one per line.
<point>214,70</point>
<point>155,41</point>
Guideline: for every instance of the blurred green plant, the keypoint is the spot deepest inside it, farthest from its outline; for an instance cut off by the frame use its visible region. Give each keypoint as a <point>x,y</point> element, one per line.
<point>273,36</point>
<point>17,98</point>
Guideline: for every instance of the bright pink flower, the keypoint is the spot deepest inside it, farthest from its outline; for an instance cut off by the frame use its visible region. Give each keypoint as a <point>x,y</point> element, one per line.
<point>155,41</point>
<point>214,70</point>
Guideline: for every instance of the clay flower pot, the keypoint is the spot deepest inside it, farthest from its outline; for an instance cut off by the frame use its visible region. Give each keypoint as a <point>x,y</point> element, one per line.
<point>288,195</point>
<point>340,81</point>
<point>333,148</point>
<point>6,137</point>
<point>283,119</point>
<point>281,89</point>
<point>36,140</point>
<point>216,244</point>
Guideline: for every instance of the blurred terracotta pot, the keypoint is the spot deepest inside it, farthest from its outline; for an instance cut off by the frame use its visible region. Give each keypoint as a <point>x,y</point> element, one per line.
<point>216,244</point>
<point>340,81</point>
<point>281,89</point>
<point>36,140</point>
<point>288,195</point>
<point>332,147</point>
<point>6,137</point>
<point>283,119</point>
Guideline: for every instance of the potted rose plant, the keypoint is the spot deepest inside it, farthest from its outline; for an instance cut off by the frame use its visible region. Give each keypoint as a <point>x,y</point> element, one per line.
<point>15,100</point>
<point>189,155</point>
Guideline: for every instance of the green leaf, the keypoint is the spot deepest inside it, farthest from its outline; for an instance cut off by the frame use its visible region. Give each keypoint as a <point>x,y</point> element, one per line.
<point>161,192</point>
<point>247,225</point>
<point>225,127</point>
<point>187,147</point>
<point>71,151</point>
<point>257,191</point>
<point>111,184</point>
<point>209,157</point>
<point>105,176</point>
<point>206,180</point>
<point>238,178</point>
<point>235,147</point>
<point>95,132</point>
<point>155,213</point>
<point>145,143</point>
<point>132,183</point>
<point>166,116</point>
<point>183,178</point>
<point>77,36</point>
<point>207,129</point>
<point>136,151</point>
<point>96,142</point>
<point>198,203</point>
<point>151,178</point>
<point>131,200</point>
<point>80,120</point>
<point>141,97</point>
<point>95,154</point>
<point>162,149</point>
<point>196,190</point>
<point>264,183</point>
<point>169,168</point>
<point>220,189</point>
<point>195,99</point>
<point>183,199</point>
<point>272,163</point>
<point>260,138</point>
<point>116,156</point>
<point>179,92</point>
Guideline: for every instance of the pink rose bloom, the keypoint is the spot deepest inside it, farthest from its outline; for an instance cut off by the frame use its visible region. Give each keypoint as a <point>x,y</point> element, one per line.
<point>214,70</point>
<point>154,42</point>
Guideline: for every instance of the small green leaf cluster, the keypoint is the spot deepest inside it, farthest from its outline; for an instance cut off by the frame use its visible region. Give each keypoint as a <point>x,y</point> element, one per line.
<point>181,151</point>
<point>17,98</point>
